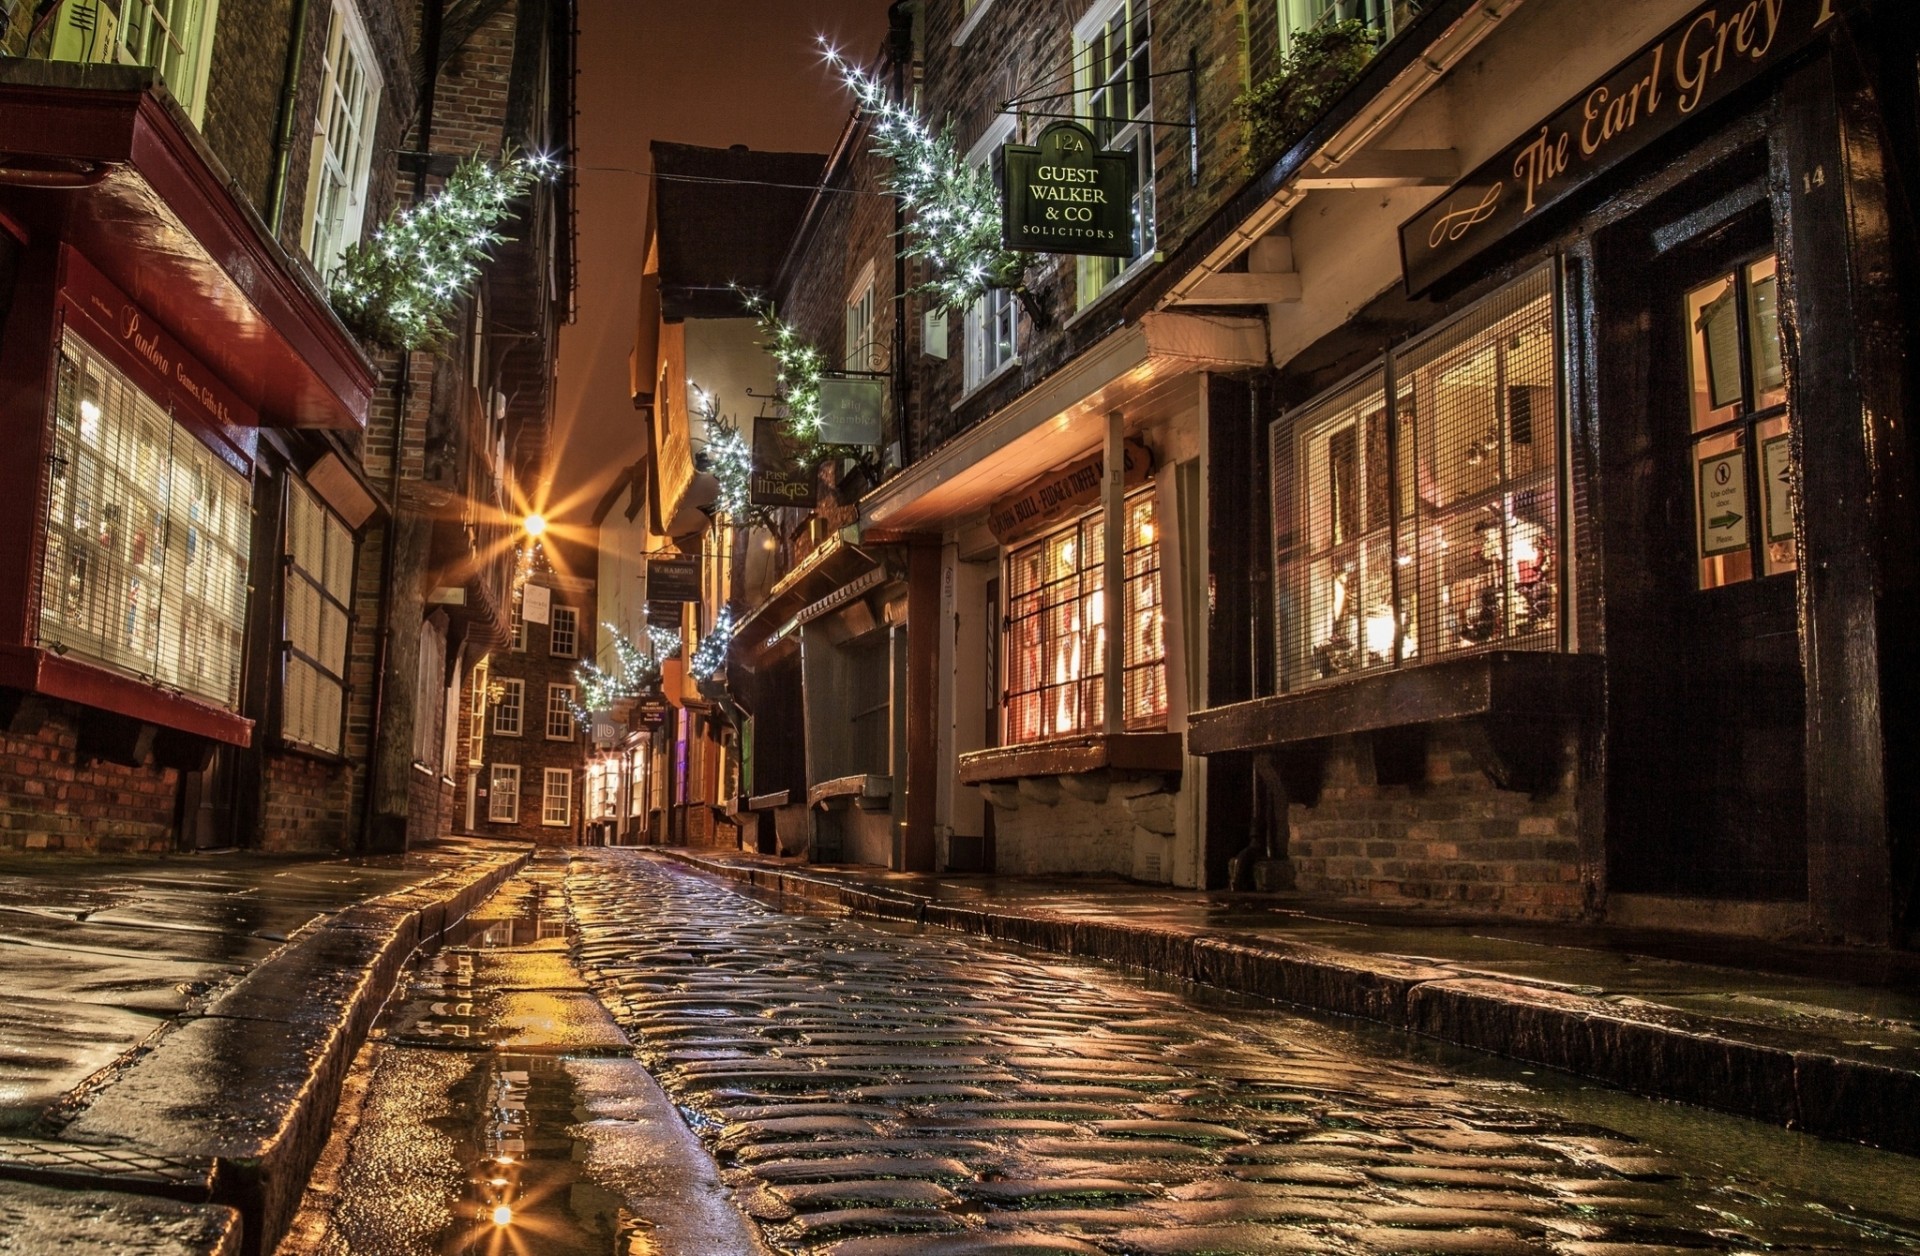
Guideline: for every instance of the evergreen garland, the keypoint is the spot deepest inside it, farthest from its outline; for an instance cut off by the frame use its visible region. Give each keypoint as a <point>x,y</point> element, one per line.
<point>397,289</point>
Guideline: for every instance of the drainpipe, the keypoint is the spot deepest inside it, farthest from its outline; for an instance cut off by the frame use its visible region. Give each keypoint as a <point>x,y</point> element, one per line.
<point>430,44</point>
<point>283,134</point>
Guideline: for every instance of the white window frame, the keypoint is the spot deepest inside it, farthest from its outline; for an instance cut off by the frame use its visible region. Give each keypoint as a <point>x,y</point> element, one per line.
<point>517,642</point>
<point>560,713</point>
<point>1096,276</point>
<point>1300,15</point>
<point>190,24</point>
<point>510,794</point>
<point>342,150</point>
<point>971,12</point>
<point>477,713</point>
<point>998,310</point>
<point>572,633</point>
<point>513,703</point>
<point>563,777</point>
<point>863,321</point>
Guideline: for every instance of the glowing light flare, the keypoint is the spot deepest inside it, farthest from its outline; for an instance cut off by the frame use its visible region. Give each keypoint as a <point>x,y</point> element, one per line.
<point>502,1215</point>
<point>534,525</point>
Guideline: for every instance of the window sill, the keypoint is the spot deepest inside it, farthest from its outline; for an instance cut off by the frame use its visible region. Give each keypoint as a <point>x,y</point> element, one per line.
<point>871,792</point>
<point>986,381</point>
<point>1136,268</point>
<point>502,733</point>
<point>970,23</point>
<point>69,678</point>
<point>1071,756</point>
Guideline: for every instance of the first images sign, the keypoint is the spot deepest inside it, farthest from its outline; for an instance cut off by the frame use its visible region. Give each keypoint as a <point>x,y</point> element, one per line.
<point>1065,195</point>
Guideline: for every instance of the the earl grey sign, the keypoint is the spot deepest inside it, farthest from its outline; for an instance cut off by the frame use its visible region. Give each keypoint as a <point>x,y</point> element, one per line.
<point>1064,195</point>
<point>1702,59</point>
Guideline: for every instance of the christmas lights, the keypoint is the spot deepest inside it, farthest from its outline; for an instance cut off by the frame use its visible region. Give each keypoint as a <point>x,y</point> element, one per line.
<point>638,671</point>
<point>953,207</point>
<point>711,653</point>
<point>798,369</point>
<point>729,458</point>
<point>397,289</point>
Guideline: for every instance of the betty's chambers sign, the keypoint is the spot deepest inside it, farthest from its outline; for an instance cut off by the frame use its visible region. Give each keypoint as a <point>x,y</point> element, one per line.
<point>1702,59</point>
<point>1064,195</point>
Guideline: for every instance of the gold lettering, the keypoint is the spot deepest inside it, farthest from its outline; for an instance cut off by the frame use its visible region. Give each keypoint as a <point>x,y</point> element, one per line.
<point>1455,223</point>
<point>1542,161</point>
<point>1772,10</point>
<point>1653,78</point>
<point>1693,78</point>
<point>1826,14</point>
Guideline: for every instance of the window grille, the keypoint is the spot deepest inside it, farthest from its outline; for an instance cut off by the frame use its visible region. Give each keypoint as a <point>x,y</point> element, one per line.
<point>1407,538</point>
<point>148,535</point>
<point>556,806</point>
<point>560,713</point>
<point>563,640</point>
<point>318,592</point>
<point>503,794</point>
<point>506,712</point>
<point>1115,70</point>
<point>342,142</point>
<point>1056,637</point>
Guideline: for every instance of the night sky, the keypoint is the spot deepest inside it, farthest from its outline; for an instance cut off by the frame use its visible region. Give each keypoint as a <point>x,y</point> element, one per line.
<point>714,72</point>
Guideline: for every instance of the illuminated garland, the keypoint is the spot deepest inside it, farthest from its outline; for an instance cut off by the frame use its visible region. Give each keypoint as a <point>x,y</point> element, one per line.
<point>398,288</point>
<point>529,560</point>
<point>729,459</point>
<point>954,207</point>
<point>639,671</point>
<point>711,653</point>
<point>798,368</point>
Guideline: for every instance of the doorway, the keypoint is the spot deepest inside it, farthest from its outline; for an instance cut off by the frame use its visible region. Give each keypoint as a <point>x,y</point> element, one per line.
<point>1706,774</point>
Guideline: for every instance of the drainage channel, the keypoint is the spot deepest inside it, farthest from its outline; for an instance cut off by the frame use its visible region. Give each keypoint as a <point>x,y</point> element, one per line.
<point>497,1110</point>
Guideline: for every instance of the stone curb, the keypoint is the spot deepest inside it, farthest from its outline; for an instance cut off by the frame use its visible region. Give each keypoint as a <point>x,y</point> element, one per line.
<point>249,1087</point>
<point>1670,1055</point>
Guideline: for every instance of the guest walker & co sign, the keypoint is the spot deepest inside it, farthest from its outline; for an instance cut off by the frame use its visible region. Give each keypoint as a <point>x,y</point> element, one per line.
<point>1064,195</point>
<point>1702,59</point>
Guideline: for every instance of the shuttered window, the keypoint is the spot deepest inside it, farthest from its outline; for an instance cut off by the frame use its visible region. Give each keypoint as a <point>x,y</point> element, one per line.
<point>319,591</point>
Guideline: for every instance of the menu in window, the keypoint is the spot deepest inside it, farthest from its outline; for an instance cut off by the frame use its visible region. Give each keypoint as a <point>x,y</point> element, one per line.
<point>1724,509</point>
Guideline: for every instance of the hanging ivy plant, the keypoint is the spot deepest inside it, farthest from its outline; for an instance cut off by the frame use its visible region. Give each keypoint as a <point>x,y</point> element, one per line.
<point>953,207</point>
<point>1322,62</point>
<point>397,289</point>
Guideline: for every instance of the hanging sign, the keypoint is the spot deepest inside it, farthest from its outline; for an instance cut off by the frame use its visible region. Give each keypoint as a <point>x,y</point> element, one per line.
<point>1724,509</point>
<point>1063,194</point>
<point>851,410</point>
<point>1058,494</point>
<point>536,604</point>
<point>673,579</point>
<point>779,476</point>
<point>1701,60</point>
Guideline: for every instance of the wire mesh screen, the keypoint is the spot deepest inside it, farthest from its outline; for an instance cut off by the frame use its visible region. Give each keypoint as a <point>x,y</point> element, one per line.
<point>147,537</point>
<point>1410,536</point>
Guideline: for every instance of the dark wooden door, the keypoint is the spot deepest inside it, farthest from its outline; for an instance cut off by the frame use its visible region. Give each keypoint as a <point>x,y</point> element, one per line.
<point>1706,755</point>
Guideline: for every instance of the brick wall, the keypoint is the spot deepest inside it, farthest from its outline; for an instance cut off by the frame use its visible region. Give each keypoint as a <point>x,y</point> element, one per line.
<point>536,667</point>
<point>50,800</point>
<point>304,804</point>
<point>1451,840</point>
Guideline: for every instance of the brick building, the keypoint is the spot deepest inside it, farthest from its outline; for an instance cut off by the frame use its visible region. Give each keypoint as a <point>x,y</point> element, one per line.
<point>208,534</point>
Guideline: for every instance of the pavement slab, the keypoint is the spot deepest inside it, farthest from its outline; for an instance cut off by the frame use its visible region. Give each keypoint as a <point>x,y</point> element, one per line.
<point>43,1221</point>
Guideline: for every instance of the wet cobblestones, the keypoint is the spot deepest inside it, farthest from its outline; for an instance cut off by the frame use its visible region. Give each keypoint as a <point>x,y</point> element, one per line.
<point>871,1092</point>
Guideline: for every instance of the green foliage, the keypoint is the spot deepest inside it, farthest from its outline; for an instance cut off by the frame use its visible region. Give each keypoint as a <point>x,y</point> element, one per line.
<point>1322,63</point>
<point>397,289</point>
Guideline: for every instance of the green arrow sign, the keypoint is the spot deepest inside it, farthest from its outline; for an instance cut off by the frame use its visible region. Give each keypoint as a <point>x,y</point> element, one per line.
<point>1719,522</point>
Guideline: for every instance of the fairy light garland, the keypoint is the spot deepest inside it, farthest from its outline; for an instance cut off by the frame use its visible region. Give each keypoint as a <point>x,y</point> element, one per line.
<point>953,207</point>
<point>729,459</point>
<point>798,367</point>
<point>638,671</point>
<point>398,289</point>
<point>711,653</point>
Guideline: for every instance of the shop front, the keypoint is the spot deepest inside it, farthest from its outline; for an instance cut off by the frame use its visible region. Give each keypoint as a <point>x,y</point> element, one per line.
<point>1579,579</point>
<point>148,391</point>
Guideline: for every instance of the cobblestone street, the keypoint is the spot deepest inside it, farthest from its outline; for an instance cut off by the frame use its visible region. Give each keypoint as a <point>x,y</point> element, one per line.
<point>881,1091</point>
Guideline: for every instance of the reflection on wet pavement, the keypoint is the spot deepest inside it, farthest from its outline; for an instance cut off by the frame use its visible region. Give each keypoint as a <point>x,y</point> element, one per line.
<point>875,1091</point>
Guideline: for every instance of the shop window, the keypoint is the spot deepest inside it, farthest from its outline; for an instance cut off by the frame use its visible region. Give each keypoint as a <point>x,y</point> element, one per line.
<point>1056,635</point>
<point>1433,529</point>
<point>503,794</point>
<point>508,707</point>
<point>992,323</point>
<point>1113,65</point>
<point>556,800</point>
<point>1742,434</point>
<point>342,142</point>
<point>563,637</point>
<point>318,584</point>
<point>148,534</point>
<point>559,712</point>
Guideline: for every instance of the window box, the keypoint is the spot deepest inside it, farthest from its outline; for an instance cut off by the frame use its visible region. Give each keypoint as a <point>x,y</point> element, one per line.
<point>1071,756</point>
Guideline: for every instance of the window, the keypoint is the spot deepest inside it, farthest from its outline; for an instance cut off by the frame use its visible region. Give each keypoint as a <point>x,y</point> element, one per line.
<point>430,696</point>
<point>503,794</point>
<point>1115,71</point>
<point>1742,434</point>
<point>477,712</point>
<point>518,642</point>
<point>556,803</point>
<point>342,142</point>
<point>864,350</point>
<point>559,712</point>
<point>318,586</point>
<point>992,322</point>
<point>148,534</point>
<point>1056,637</point>
<point>506,711</point>
<point>172,36</point>
<point>563,639</point>
<point>1434,530</point>
<point>1299,15</point>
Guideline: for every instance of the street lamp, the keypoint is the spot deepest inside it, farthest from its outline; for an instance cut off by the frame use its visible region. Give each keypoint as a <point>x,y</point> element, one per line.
<point>534,525</point>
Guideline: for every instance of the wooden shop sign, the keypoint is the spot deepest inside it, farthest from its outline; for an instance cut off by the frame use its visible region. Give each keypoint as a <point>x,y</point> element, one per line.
<point>1063,194</point>
<point>1059,494</point>
<point>781,474</point>
<point>1701,60</point>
